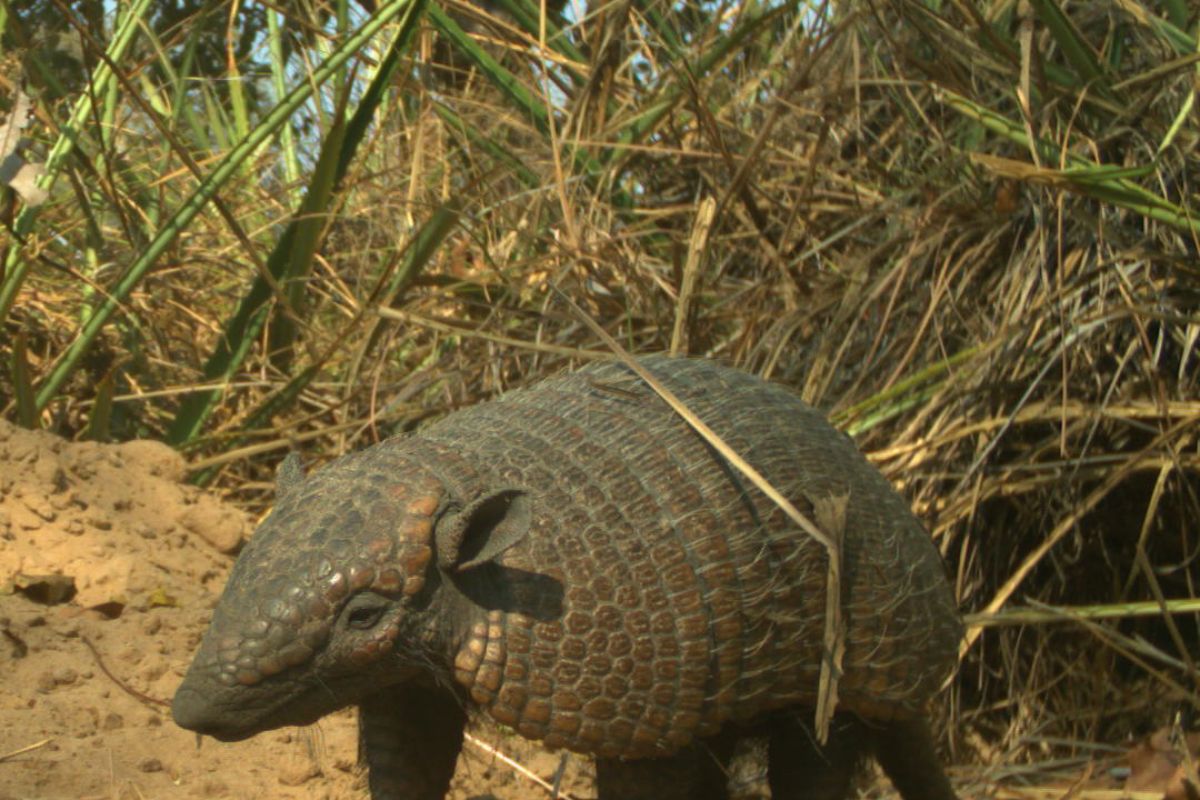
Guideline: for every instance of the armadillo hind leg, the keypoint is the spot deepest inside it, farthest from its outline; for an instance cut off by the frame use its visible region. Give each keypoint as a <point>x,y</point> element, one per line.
<point>800,768</point>
<point>905,750</point>
<point>697,772</point>
<point>410,738</point>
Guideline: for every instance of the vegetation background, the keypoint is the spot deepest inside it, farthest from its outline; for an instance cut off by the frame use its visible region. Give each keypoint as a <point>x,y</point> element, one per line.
<point>967,230</point>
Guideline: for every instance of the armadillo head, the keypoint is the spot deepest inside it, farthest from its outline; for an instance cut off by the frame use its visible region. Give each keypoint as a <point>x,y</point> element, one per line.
<point>331,598</point>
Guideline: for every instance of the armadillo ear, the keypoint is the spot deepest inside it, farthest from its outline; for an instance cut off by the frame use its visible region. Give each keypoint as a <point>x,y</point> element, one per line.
<point>289,474</point>
<point>483,530</point>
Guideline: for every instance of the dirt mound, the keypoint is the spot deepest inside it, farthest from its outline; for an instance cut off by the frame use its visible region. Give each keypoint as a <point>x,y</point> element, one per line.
<point>109,568</point>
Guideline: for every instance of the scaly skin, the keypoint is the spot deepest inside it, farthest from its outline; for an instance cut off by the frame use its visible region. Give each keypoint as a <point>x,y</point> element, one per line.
<point>573,560</point>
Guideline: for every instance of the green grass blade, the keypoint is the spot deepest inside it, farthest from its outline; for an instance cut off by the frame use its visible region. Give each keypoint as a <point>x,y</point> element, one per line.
<point>639,127</point>
<point>1178,124</point>
<point>489,145</point>
<point>522,98</point>
<point>525,101</point>
<point>904,395</point>
<point>667,33</point>
<point>293,265</point>
<point>229,164</point>
<point>291,260</point>
<point>527,15</point>
<point>99,427</point>
<point>1173,32</point>
<point>416,256</point>
<point>376,92</point>
<point>1074,46</point>
<point>238,338</point>
<point>420,251</point>
<point>1178,11</point>
<point>16,267</point>
<point>237,101</point>
<point>27,413</point>
<point>278,400</point>
<point>1108,183</point>
<point>180,84</point>
<point>287,139</point>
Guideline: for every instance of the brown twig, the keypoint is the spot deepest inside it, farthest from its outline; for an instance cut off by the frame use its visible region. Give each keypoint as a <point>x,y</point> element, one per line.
<point>27,748</point>
<point>153,702</point>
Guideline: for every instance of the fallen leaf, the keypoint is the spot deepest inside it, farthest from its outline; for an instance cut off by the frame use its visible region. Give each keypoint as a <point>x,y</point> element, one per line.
<point>159,597</point>
<point>1159,764</point>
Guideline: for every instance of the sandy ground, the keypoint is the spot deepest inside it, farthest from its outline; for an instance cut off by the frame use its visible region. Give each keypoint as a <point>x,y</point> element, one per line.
<point>85,677</point>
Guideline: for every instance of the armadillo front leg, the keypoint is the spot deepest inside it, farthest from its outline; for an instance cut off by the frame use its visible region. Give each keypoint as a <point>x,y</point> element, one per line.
<point>410,738</point>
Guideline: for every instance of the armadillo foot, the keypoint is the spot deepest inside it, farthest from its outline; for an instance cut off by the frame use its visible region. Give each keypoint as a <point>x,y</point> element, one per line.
<point>800,768</point>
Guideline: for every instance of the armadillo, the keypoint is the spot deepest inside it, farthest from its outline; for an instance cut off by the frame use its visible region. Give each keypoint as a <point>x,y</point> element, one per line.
<point>575,561</point>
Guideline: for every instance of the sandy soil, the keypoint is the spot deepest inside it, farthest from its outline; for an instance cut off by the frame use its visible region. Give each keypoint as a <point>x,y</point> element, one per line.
<point>86,672</point>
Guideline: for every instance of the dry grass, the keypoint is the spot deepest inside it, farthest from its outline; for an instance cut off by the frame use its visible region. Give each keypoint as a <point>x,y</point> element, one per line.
<point>915,221</point>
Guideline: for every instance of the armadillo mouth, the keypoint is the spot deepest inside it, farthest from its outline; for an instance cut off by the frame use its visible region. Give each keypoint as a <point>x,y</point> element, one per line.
<point>195,709</point>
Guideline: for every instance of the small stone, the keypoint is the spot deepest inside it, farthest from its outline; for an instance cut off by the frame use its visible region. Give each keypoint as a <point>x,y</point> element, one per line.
<point>156,458</point>
<point>45,589</point>
<point>298,772</point>
<point>113,721</point>
<point>222,527</point>
<point>107,583</point>
<point>65,676</point>
<point>152,671</point>
<point>75,527</point>
<point>213,787</point>
<point>150,764</point>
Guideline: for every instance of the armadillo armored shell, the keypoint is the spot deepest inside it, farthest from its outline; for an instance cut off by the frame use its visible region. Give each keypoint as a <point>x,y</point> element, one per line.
<point>690,599</point>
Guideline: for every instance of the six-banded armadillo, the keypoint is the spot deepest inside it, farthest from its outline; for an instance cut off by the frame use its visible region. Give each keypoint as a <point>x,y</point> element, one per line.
<point>575,561</point>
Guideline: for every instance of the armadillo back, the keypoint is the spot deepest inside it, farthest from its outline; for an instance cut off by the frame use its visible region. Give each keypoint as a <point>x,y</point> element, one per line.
<point>690,599</point>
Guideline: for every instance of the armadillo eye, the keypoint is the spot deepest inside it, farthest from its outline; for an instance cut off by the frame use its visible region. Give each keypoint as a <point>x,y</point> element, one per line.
<point>364,618</point>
